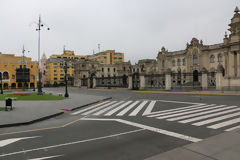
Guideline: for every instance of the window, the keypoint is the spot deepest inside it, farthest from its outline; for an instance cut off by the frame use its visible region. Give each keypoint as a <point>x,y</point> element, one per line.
<point>13,66</point>
<point>212,57</point>
<point>195,59</point>
<point>179,62</point>
<point>124,68</point>
<point>55,70</point>
<point>220,59</point>
<point>32,77</point>
<point>114,69</point>
<point>163,63</point>
<point>108,69</point>
<point>32,66</point>
<point>184,62</point>
<point>102,69</point>
<point>5,66</point>
<point>173,63</point>
<point>13,76</point>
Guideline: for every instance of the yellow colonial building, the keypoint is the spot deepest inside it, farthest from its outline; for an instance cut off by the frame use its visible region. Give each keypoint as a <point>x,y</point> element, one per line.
<point>108,57</point>
<point>55,75</point>
<point>17,72</point>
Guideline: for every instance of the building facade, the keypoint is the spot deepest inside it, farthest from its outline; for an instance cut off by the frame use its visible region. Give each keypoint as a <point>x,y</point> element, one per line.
<point>107,57</point>
<point>18,72</point>
<point>197,66</point>
<point>55,75</point>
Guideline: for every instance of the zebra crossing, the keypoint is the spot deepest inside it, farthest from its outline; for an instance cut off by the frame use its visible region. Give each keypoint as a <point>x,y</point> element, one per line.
<point>212,116</point>
<point>119,108</point>
<point>209,115</point>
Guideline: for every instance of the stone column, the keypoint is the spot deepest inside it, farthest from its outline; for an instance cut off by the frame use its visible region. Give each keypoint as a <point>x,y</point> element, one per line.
<point>94,82</point>
<point>129,82</point>
<point>219,78</point>
<point>88,85</point>
<point>142,81</point>
<point>168,80</point>
<point>238,64</point>
<point>204,79</point>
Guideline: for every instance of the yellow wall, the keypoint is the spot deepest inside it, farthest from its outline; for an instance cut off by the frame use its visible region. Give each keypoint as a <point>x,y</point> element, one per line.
<point>55,73</point>
<point>105,57</point>
<point>9,63</point>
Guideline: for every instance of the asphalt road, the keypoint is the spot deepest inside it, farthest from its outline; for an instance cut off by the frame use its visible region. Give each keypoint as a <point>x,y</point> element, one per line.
<point>131,126</point>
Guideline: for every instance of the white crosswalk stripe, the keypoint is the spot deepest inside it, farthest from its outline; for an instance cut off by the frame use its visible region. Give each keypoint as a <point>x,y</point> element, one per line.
<point>178,111</point>
<point>86,109</point>
<point>98,108</point>
<point>201,113</point>
<point>127,109</point>
<point>107,108</point>
<point>216,119</point>
<point>226,123</point>
<point>194,111</point>
<point>139,108</point>
<point>209,115</point>
<point>175,109</point>
<point>149,108</point>
<point>118,108</point>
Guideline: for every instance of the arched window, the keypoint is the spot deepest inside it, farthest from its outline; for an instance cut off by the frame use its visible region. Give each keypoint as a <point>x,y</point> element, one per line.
<point>163,63</point>
<point>184,62</point>
<point>179,62</point>
<point>212,57</point>
<point>195,59</point>
<point>5,75</point>
<point>220,59</point>
<point>173,63</point>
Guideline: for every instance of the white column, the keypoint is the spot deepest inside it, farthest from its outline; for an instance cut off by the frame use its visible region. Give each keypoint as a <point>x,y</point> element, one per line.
<point>168,81</point>
<point>94,82</point>
<point>204,81</point>
<point>129,82</point>
<point>142,82</point>
<point>219,79</point>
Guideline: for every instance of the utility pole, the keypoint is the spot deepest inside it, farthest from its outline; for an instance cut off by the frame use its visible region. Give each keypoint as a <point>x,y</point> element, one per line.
<point>39,26</point>
<point>23,78</point>
<point>98,48</point>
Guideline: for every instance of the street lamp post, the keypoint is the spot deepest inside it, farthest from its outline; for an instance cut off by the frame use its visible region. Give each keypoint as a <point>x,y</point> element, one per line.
<point>66,79</point>
<point>1,83</point>
<point>39,83</point>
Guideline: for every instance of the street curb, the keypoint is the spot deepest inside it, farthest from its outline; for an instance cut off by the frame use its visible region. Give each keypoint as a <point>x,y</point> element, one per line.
<point>203,94</point>
<point>32,121</point>
<point>87,104</point>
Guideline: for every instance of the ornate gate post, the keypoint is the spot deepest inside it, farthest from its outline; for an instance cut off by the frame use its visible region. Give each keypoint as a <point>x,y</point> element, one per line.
<point>204,79</point>
<point>94,82</point>
<point>142,81</point>
<point>219,77</point>
<point>129,81</point>
<point>168,80</point>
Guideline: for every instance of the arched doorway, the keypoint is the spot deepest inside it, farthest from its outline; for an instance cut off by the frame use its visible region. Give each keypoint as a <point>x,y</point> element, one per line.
<point>31,85</point>
<point>13,86</point>
<point>25,85</point>
<point>5,86</point>
<point>19,85</point>
<point>195,76</point>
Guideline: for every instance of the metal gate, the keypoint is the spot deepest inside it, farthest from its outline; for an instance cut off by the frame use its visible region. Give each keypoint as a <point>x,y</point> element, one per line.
<point>115,81</point>
<point>135,81</point>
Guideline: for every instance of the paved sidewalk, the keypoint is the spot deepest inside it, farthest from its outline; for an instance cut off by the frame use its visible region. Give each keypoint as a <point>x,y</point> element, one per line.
<point>225,146</point>
<point>27,112</point>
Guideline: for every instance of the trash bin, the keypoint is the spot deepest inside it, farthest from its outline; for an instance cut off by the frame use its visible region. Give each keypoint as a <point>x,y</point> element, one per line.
<point>8,103</point>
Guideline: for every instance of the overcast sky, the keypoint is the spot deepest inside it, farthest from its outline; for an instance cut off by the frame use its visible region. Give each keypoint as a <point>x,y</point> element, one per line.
<point>139,28</point>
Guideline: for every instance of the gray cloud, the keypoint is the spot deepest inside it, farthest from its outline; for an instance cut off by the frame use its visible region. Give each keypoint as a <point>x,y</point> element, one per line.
<point>139,28</point>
